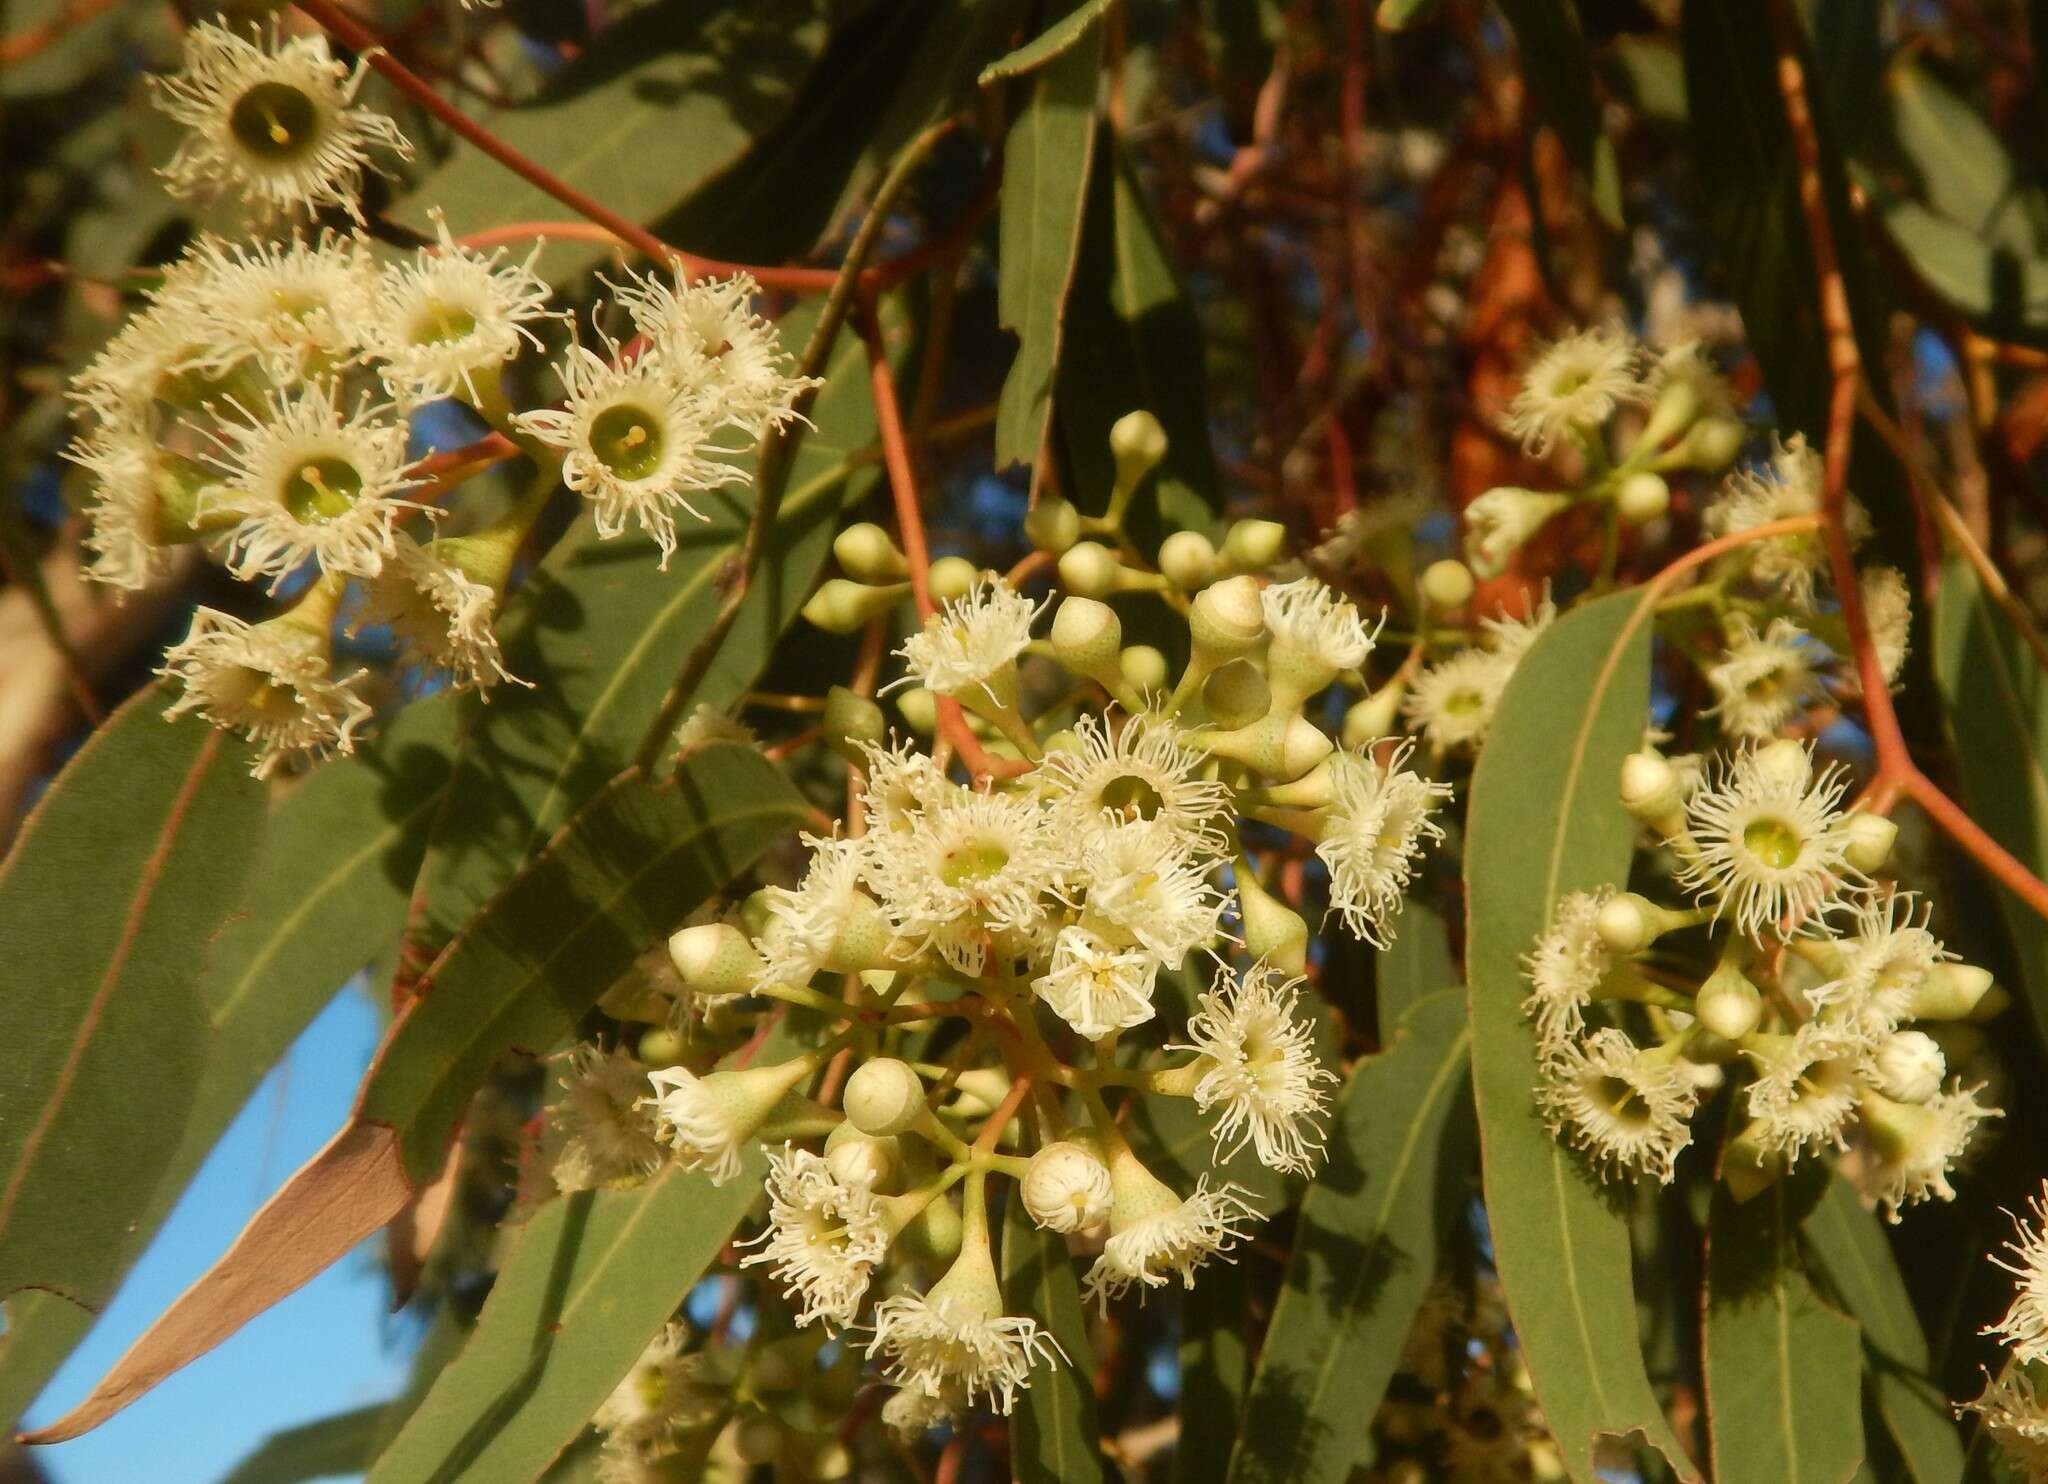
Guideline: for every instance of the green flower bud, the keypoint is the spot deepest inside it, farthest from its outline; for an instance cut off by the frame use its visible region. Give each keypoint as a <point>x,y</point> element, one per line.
<point>1642,498</point>
<point>1226,621</point>
<point>1090,570</point>
<point>850,719</point>
<point>1728,1004</point>
<point>951,578</point>
<point>1144,668</point>
<point>841,606</point>
<point>919,709</point>
<point>1378,715</point>
<point>1087,637</point>
<point>1137,442</point>
<point>1236,695</point>
<point>1052,525</point>
<point>1628,923</point>
<point>1871,837</point>
<point>1712,444</point>
<point>715,958</point>
<point>884,1096</point>
<point>1188,558</point>
<point>1649,791</point>
<point>865,552</point>
<point>1253,545</point>
<point>1446,587</point>
<point>1950,991</point>
<point>1273,930</point>
<point>1282,746</point>
<point>659,1047</point>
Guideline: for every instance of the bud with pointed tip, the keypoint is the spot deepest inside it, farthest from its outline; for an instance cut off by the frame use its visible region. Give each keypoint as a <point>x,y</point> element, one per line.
<point>1446,587</point>
<point>1728,1004</point>
<point>1377,716</point>
<point>865,552</point>
<point>1273,930</point>
<point>884,1096</point>
<point>714,958</point>
<point>1282,746</point>
<point>1871,837</point>
<point>1052,524</point>
<point>1236,695</point>
<point>1253,545</point>
<point>841,606</point>
<point>1642,498</point>
<point>1949,991</point>
<point>1188,558</point>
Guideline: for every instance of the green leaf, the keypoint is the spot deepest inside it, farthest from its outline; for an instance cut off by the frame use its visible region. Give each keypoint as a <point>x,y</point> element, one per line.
<point>312,1450</point>
<point>1544,821</point>
<point>1560,75</point>
<point>1046,161</point>
<point>1996,696</point>
<point>1416,963</point>
<point>658,106</point>
<point>1055,41</point>
<point>108,901</point>
<point>591,1278</point>
<point>1993,284</point>
<point>1054,1436</point>
<point>1853,1254</point>
<point>1133,341</point>
<point>601,631</point>
<point>623,874</point>
<point>1962,168</point>
<point>1365,1253</point>
<point>1783,1369</point>
<point>1215,1371</point>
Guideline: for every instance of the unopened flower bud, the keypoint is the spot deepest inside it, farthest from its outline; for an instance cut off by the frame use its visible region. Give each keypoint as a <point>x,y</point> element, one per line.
<point>1137,442</point>
<point>1650,791</point>
<point>1253,545</point>
<point>919,709</point>
<point>1089,569</point>
<point>856,1157</point>
<point>1712,444</point>
<point>1628,923</point>
<point>1871,837</point>
<point>1642,498</point>
<point>1273,930</point>
<point>1087,637</point>
<point>1378,715</point>
<point>1188,558</point>
<point>1282,746</point>
<point>659,1047</point>
<point>1950,991</point>
<point>1910,1066</point>
<point>1144,668</point>
<point>1236,695</point>
<point>714,958</point>
<point>1749,1166</point>
<point>1446,586</point>
<point>980,1090</point>
<point>1784,762</point>
<point>1066,1188</point>
<point>840,606</point>
<point>1226,621</point>
<point>850,719</point>
<point>1728,1004</point>
<point>1501,521</point>
<point>951,578</point>
<point>865,552</point>
<point>1052,524</point>
<point>883,1096</point>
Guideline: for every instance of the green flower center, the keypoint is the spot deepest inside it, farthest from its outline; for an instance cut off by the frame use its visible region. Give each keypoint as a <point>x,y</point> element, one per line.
<point>322,489</point>
<point>1133,796</point>
<point>627,440</point>
<point>976,861</point>
<point>1620,1100</point>
<point>275,121</point>
<point>1773,842</point>
<point>439,324</point>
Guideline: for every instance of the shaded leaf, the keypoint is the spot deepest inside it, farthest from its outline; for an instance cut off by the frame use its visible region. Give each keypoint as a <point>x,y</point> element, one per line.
<point>1544,821</point>
<point>1055,41</point>
<point>312,1450</point>
<point>1046,161</point>
<point>1054,1436</point>
<point>1416,963</point>
<point>590,1279</point>
<point>1560,74</point>
<point>1365,1253</point>
<point>1215,1371</point>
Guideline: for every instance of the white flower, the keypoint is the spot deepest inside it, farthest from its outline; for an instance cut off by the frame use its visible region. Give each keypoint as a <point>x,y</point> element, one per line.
<point>1763,680</point>
<point>272,123</point>
<point>165,350</point>
<point>955,1340</point>
<point>807,926</point>
<point>610,1138</point>
<point>449,314</point>
<point>1791,487</point>
<point>1095,988</point>
<point>1511,637</point>
<point>824,1236</point>
<point>1502,521</point>
<point>1372,833</point>
<point>1768,839</point>
<point>309,482</point>
<point>2016,1415</point>
<point>710,1121</point>
<point>913,1413</point>
<point>141,504</point>
<point>442,614</point>
<point>635,443</point>
<point>2024,1326</point>
<point>972,641</point>
<point>659,1396</point>
<point>1258,1064</point>
<point>718,348</point>
<point>1452,702</point>
<point>297,306</point>
<point>1685,371</point>
<point>1066,1187</point>
<point>1807,1086</point>
<point>1168,1238</point>
<point>1888,611</point>
<point>1573,386</point>
<point>272,682</point>
<point>1626,1108</point>
<point>1313,618</point>
<point>1566,968</point>
<point>1917,1145</point>
<point>964,866</point>
<point>1145,887</point>
<point>901,781</point>
<point>1140,772</point>
<point>1883,962</point>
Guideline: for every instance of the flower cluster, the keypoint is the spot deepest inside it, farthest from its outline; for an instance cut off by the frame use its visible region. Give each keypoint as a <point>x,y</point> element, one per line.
<point>258,406</point>
<point>2014,1406</point>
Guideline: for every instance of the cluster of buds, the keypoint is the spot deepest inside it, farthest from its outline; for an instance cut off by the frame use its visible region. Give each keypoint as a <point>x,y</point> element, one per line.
<point>257,406</point>
<point>1000,966</point>
<point>1825,996</point>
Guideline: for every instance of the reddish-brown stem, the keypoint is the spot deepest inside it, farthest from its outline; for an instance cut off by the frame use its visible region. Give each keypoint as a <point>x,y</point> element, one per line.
<point>1000,1119</point>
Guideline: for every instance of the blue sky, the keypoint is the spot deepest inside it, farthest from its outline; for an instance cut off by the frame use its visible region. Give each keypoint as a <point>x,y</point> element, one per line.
<point>329,1347</point>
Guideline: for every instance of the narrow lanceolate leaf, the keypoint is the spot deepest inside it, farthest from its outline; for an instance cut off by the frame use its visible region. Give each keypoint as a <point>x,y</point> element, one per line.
<point>1046,161</point>
<point>1996,698</point>
<point>313,1450</point>
<point>329,891</point>
<point>1560,74</point>
<point>1417,962</point>
<point>1055,41</point>
<point>1545,821</point>
<point>1784,1371</point>
<point>621,877</point>
<point>658,105</point>
<point>590,1280</point>
<point>1054,1437</point>
<point>1215,1371</point>
<point>119,880</point>
<point>1365,1253</point>
<point>601,632</point>
<point>623,873</point>
<point>1853,1255</point>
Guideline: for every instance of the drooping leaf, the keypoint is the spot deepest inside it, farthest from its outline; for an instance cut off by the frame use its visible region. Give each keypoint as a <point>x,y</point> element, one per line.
<point>1055,41</point>
<point>1365,1252</point>
<point>313,1450</point>
<point>1849,1246</point>
<point>1133,341</point>
<point>1047,156</point>
<point>1996,699</point>
<point>1560,74</point>
<point>1054,1437</point>
<point>1544,820</point>
<point>658,105</point>
<point>140,850</point>
<point>1416,963</point>
<point>590,1280</point>
<point>1215,1371</point>
<point>1783,1369</point>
